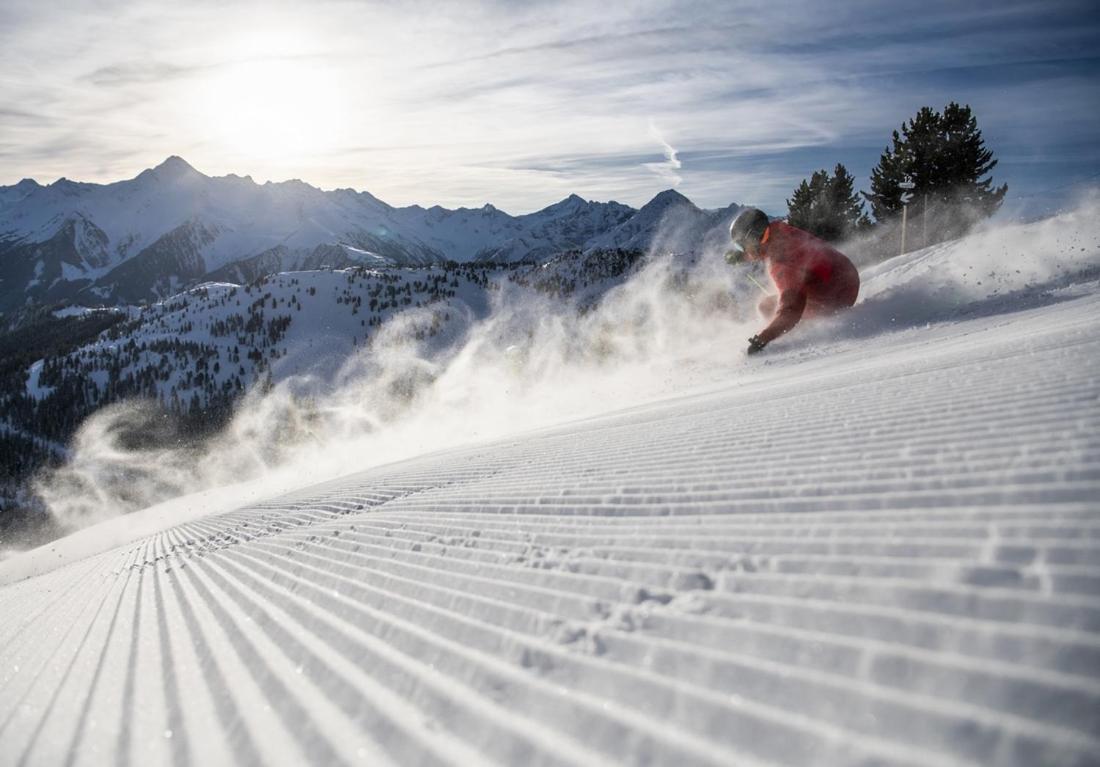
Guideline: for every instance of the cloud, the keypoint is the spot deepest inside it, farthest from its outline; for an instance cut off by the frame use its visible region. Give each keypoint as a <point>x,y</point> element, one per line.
<point>666,170</point>
<point>23,115</point>
<point>126,73</point>
<point>158,72</point>
<point>515,103</point>
<point>636,43</point>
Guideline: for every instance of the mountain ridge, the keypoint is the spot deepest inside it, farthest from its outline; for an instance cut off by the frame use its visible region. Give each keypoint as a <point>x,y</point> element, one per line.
<point>97,229</point>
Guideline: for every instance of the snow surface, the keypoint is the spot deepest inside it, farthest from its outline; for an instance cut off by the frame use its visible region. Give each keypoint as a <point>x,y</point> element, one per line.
<point>879,543</point>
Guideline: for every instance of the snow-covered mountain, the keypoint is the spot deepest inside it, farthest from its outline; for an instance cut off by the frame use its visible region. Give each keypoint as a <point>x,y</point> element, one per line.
<point>172,226</point>
<point>670,222</point>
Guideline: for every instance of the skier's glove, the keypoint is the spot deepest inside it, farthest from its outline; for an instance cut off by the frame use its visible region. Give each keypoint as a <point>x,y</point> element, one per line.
<point>734,257</point>
<point>756,345</point>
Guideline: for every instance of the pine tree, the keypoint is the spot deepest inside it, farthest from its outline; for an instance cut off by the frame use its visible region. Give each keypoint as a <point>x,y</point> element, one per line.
<point>827,206</point>
<point>945,157</point>
<point>845,204</point>
<point>800,206</point>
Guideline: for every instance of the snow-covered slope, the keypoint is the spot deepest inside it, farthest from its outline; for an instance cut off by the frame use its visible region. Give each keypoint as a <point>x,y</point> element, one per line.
<point>222,337</point>
<point>879,544</point>
<point>129,240</point>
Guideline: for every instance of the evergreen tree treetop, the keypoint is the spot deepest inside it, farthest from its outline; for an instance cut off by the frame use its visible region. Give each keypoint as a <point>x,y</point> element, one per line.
<point>945,157</point>
<point>827,206</point>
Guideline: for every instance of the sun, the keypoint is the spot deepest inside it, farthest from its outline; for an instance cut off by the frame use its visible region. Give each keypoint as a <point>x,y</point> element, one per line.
<point>271,111</point>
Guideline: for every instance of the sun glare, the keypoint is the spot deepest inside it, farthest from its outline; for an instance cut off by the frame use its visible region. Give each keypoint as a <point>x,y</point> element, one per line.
<point>271,111</point>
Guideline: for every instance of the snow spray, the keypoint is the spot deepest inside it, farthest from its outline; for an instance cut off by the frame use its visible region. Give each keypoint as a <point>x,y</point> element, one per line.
<point>531,362</point>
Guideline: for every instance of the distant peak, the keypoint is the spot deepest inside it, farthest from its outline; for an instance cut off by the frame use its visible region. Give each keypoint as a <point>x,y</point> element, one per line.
<point>175,163</point>
<point>669,197</point>
<point>172,168</point>
<point>570,203</point>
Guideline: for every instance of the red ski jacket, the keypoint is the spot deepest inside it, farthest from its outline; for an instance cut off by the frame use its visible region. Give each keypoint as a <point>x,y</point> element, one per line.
<point>812,277</point>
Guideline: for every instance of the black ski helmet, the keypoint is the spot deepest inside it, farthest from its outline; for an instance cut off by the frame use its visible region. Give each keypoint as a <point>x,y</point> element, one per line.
<point>748,228</point>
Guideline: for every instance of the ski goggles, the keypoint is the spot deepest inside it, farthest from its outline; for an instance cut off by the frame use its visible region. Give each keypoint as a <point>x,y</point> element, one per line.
<point>739,248</point>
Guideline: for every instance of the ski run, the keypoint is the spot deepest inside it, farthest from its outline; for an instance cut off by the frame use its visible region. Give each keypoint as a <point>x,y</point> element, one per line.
<point>871,546</point>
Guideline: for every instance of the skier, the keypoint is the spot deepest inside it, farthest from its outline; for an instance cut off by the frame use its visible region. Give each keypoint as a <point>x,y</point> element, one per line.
<point>813,278</point>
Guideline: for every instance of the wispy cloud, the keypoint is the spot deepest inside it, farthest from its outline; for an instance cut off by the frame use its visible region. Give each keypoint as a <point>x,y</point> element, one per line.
<point>160,72</point>
<point>130,72</point>
<point>638,43</point>
<point>524,103</point>
<point>22,115</point>
<point>666,170</point>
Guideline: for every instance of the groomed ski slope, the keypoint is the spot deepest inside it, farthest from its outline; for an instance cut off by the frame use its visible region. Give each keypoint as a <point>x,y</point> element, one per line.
<point>872,549</point>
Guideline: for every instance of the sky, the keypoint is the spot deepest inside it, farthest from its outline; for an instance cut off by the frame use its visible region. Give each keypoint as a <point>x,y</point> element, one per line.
<point>523,103</point>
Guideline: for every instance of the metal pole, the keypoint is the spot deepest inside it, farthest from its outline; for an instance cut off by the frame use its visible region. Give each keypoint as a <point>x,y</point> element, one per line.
<point>924,222</point>
<point>904,222</point>
<point>757,284</point>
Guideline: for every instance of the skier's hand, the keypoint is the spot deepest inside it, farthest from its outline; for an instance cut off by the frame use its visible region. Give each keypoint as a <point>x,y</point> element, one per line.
<point>734,257</point>
<point>756,345</point>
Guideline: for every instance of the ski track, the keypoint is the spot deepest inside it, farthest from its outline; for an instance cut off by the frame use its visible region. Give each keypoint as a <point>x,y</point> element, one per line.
<point>890,559</point>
